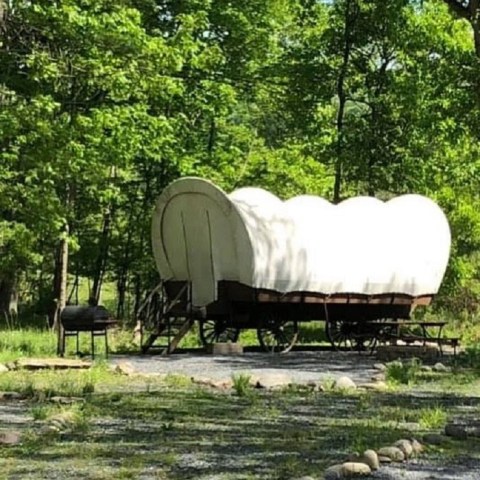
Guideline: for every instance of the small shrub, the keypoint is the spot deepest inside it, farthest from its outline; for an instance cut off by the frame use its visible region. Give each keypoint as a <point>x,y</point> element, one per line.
<point>241,384</point>
<point>434,417</point>
<point>401,373</point>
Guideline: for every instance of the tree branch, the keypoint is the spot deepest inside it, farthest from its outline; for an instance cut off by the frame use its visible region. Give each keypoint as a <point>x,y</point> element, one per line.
<point>461,8</point>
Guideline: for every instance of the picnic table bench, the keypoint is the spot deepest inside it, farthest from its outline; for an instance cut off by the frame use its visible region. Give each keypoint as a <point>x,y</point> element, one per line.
<point>410,331</point>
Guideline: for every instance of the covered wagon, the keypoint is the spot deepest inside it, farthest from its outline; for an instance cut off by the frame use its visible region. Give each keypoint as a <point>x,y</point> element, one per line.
<point>250,260</point>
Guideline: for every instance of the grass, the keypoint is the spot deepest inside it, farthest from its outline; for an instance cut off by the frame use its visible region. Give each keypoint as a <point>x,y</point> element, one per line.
<point>241,384</point>
<point>44,384</point>
<point>170,428</point>
<point>403,373</point>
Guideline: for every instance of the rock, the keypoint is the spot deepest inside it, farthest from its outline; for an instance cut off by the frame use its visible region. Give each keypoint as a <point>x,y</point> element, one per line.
<point>11,365</point>
<point>61,421</point>
<point>426,368</point>
<point>225,348</point>
<point>417,447</point>
<point>50,363</point>
<point>10,438</point>
<point>456,431</point>
<point>3,368</point>
<point>388,353</point>
<point>474,431</point>
<point>66,400</point>
<point>12,396</point>
<point>304,478</point>
<point>405,446</point>
<point>394,453</point>
<point>370,458</point>
<point>49,430</point>
<point>383,459</point>
<point>224,384</point>
<point>380,366</point>
<point>315,386</point>
<point>379,377</point>
<point>334,472</point>
<point>433,438</point>
<point>344,383</point>
<point>440,367</point>
<point>125,368</point>
<point>355,469</point>
<point>411,426</point>
<point>378,386</point>
<point>271,380</point>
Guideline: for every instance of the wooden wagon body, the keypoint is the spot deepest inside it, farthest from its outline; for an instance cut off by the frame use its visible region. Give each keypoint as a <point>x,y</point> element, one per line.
<point>249,260</point>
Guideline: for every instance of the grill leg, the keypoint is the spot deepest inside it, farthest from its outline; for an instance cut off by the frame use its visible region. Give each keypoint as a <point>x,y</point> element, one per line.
<point>61,341</point>
<point>106,343</point>
<point>93,345</point>
<point>78,342</point>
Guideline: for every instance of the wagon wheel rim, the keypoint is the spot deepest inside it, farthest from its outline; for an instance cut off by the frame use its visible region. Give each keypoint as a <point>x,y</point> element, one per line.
<point>278,336</point>
<point>217,331</point>
<point>349,335</point>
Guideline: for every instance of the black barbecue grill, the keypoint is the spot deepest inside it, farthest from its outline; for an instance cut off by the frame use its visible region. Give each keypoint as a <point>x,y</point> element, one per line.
<point>75,319</point>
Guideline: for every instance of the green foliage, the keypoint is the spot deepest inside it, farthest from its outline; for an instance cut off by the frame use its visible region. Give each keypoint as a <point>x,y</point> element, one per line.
<point>102,104</point>
<point>242,384</point>
<point>433,417</point>
<point>403,373</point>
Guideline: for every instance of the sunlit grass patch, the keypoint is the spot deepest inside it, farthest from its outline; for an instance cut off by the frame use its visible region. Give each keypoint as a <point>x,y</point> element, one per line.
<point>44,384</point>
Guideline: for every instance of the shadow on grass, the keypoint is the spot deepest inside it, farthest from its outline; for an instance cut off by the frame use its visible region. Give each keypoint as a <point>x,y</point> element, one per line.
<point>185,433</point>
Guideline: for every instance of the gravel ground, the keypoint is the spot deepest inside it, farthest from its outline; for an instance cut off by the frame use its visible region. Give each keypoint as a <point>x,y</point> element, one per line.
<point>301,367</point>
<point>304,367</point>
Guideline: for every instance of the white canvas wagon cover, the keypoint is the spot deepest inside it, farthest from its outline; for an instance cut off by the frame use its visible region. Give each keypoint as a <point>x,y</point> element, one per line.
<point>305,244</point>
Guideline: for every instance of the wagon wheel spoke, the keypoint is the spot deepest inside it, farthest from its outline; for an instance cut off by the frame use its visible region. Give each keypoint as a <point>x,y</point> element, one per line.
<point>350,335</point>
<point>214,331</point>
<point>339,333</point>
<point>277,336</point>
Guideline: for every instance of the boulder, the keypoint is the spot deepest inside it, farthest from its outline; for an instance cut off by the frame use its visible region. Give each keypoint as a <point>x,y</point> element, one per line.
<point>3,368</point>
<point>12,396</point>
<point>417,447</point>
<point>394,453</point>
<point>383,459</point>
<point>66,400</point>
<point>125,368</point>
<point>440,367</point>
<point>271,380</point>
<point>405,446</point>
<point>334,472</point>
<point>380,367</point>
<point>344,383</point>
<point>456,431</point>
<point>370,458</point>
<point>378,386</point>
<point>355,469</point>
<point>433,438</point>
<point>10,438</point>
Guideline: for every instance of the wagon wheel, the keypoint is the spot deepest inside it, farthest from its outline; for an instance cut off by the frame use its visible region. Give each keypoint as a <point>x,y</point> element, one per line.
<point>217,331</point>
<point>277,335</point>
<point>350,335</point>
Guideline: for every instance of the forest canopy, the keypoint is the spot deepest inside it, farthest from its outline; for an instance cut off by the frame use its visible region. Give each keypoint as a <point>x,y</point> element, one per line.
<point>103,103</point>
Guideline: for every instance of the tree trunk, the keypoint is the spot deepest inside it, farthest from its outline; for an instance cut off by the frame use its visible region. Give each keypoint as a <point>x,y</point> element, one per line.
<point>350,18</point>
<point>60,280</point>
<point>123,276</point>
<point>8,297</point>
<point>101,262</point>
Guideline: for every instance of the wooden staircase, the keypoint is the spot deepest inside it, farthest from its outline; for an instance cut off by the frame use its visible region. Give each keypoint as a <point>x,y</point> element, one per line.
<point>167,321</point>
